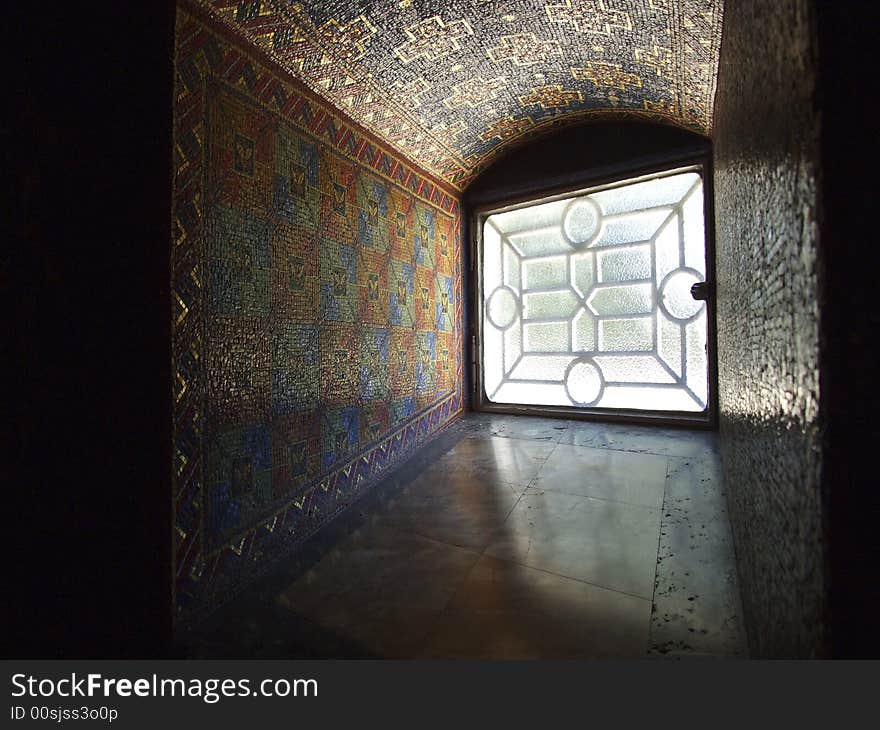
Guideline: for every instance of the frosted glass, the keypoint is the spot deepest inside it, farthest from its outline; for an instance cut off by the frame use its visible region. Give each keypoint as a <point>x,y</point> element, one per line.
<point>534,394</point>
<point>541,367</point>
<point>503,308</point>
<point>694,233</point>
<point>626,334</point>
<point>530,218</point>
<point>583,273</point>
<point>493,353</point>
<point>583,332</point>
<point>545,273</point>
<point>546,337</point>
<point>513,345</point>
<point>640,397</point>
<point>587,299</point>
<point>512,267</point>
<point>631,228</point>
<point>696,358</point>
<point>666,191</point>
<point>584,383</point>
<point>634,369</point>
<point>631,299</point>
<point>676,294</point>
<point>669,336</point>
<point>625,264</point>
<point>491,258</point>
<point>667,252</point>
<point>543,305</point>
<point>541,242</point>
<point>581,222</point>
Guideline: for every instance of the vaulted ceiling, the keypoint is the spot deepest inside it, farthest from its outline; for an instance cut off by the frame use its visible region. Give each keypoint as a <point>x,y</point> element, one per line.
<point>452,83</point>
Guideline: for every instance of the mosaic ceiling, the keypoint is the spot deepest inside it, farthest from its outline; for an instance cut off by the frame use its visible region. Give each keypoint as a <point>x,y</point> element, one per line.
<point>451,83</point>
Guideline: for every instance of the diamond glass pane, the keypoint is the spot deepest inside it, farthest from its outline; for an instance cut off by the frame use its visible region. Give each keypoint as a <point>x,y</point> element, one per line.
<point>587,300</point>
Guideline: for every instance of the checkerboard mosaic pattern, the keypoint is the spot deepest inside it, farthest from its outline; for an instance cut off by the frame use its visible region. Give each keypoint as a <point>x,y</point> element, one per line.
<point>317,313</point>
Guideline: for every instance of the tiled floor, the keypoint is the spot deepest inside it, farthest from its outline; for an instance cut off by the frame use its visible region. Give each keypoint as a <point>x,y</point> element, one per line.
<point>511,537</point>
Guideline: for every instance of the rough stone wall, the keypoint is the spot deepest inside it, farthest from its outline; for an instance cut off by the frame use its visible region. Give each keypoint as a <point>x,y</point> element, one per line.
<point>766,203</point>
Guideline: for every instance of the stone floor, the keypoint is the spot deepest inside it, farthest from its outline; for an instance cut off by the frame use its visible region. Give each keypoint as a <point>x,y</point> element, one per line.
<point>510,538</point>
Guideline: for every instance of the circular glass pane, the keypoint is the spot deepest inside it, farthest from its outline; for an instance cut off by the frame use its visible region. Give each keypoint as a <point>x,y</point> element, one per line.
<point>502,308</point>
<point>581,222</point>
<point>584,383</point>
<point>676,294</point>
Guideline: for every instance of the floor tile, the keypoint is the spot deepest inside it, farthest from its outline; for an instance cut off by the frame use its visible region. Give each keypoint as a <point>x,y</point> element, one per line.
<point>381,589</point>
<point>537,429</point>
<point>617,475</point>
<point>697,484</point>
<point>506,459</point>
<point>696,595</point>
<point>644,439</point>
<point>609,544</point>
<point>453,506</point>
<point>509,611</point>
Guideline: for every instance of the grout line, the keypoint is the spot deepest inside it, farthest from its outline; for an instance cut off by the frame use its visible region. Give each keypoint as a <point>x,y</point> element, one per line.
<point>596,448</point>
<point>479,553</point>
<point>429,538</point>
<point>560,575</point>
<point>435,627</point>
<point>511,438</point>
<point>519,499</point>
<point>607,447</point>
<point>569,577</point>
<point>657,560</point>
<point>556,490</point>
<point>506,517</point>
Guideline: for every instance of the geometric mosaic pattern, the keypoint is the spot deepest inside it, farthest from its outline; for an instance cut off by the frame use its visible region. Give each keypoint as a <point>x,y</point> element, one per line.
<point>450,85</point>
<point>317,312</point>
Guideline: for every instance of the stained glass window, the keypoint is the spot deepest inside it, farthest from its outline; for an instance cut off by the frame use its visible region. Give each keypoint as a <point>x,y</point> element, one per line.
<point>587,300</point>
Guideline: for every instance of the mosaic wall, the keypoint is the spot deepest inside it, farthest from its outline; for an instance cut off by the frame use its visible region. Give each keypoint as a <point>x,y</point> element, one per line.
<point>450,84</point>
<point>317,312</point>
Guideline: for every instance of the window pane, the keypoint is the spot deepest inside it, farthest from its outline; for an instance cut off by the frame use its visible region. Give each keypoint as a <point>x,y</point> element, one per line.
<point>587,303</point>
<point>548,273</point>
<point>547,304</point>
<point>625,264</point>
<point>546,337</point>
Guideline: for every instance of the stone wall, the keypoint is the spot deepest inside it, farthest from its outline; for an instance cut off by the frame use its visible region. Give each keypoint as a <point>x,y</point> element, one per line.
<point>766,217</point>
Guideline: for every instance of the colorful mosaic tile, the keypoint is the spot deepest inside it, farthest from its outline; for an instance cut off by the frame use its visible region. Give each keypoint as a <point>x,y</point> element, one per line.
<point>305,364</point>
<point>374,359</point>
<point>372,213</point>
<point>373,288</point>
<point>338,283</point>
<point>401,299</point>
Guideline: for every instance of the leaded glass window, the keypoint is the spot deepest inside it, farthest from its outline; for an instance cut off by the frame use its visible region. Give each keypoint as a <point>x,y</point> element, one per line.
<point>587,303</point>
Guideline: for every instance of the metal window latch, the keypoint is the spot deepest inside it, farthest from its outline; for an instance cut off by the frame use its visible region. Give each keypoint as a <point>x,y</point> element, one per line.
<point>703,290</point>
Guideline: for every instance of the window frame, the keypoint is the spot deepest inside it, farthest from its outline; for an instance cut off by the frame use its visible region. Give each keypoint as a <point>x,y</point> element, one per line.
<point>589,183</point>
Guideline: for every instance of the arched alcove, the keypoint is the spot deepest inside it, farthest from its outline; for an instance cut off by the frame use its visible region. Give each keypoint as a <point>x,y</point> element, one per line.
<point>576,163</point>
